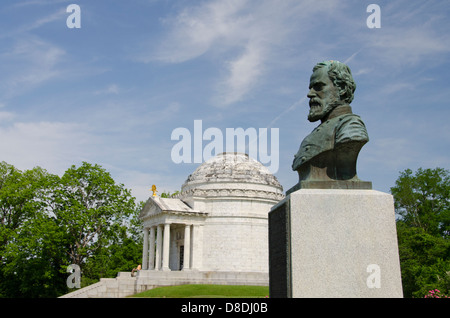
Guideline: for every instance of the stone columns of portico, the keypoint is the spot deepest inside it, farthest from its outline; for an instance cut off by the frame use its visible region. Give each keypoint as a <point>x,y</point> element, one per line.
<point>158,247</point>
<point>145,250</point>
<point>166,246</point>
<point>156,256</point>
<point>151,255</point>
<point>197,247</point>
<point>187,248</point>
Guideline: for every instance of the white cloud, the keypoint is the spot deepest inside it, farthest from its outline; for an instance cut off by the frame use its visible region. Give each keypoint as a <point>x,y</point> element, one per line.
<point>411,32</point>
<point>24,29</point>
<point>38,62</point>
<point>38,2</point>
<point>244,36</point>
<point>401,46</point>
<point>111,89</point>
<point>219,26</point>
<point>197,29</point>
<point>244,72</point>
<point>392,88</point>
<point>391,152</point>
<point>51,145</point>
<point>6,116</point>
<point>141,182</point>
<point>58,15</point>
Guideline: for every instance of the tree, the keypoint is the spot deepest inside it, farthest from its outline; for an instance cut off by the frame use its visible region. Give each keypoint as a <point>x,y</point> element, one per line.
<point>424,261</point>
<point>423,200</point>
<point>89,205</point>
<point>123,252</point>
<point>169,195</point>
<point>49,222</point>
<point>34,259</point>
<point>28,252</point>
<point>422,205</point>
<point>21,196</point>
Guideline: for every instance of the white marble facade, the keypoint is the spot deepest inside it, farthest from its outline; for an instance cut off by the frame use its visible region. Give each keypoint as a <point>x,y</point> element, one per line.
<point>219,221</point>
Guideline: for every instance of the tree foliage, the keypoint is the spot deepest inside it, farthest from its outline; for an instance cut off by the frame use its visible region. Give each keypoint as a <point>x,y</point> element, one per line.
<point>422,202</point>
<point>49,222</point>
<point>29,251</point>
<point>89,206</point>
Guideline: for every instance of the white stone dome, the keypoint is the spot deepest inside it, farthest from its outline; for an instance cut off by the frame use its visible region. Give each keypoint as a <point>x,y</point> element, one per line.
<point>237,193</point>
<point>230,172</point>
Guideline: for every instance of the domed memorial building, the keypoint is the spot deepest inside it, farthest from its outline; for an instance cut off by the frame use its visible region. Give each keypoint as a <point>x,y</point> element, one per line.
<point>214,232</point>
<point>216,229</point>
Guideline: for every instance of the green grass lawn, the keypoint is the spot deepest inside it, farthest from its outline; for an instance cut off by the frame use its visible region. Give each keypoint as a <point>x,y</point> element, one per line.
<point>206,291</point>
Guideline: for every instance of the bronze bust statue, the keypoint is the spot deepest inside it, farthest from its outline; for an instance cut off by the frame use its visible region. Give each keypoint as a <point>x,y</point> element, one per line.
<point>327,157</point>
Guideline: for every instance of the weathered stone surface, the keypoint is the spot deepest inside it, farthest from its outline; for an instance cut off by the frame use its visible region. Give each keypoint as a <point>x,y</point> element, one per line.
<point>233,167</point>
<point>335,238</point>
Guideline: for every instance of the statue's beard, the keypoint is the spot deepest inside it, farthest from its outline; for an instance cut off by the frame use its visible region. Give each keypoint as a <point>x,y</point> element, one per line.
<point>318,111</point>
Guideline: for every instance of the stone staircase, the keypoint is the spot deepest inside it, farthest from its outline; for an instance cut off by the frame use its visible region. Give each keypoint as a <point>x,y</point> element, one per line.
<point>121,286</point>
<point>125,285</point>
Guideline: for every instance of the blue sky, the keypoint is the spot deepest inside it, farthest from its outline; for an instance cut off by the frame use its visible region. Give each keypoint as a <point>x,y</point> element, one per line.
<point>113,91</point>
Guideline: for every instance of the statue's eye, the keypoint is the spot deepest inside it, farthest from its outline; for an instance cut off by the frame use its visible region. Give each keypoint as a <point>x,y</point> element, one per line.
<point>318,86</point>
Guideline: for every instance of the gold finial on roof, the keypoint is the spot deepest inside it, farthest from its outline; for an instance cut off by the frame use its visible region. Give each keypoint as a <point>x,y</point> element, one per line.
<point>154,190</point>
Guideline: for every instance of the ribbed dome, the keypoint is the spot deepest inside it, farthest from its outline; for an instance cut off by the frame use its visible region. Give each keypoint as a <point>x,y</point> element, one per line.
<point>232,167</point>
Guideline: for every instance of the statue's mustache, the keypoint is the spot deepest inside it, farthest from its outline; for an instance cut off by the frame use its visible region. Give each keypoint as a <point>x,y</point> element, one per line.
<point>314,102</point>
<point>332,104</point>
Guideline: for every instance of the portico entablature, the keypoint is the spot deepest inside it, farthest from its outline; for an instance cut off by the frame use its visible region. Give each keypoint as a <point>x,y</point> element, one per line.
<point>170,211</point>
<point>171,217</point>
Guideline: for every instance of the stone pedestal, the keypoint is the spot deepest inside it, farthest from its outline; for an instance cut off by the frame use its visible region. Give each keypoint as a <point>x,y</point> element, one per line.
<point>334,243</point>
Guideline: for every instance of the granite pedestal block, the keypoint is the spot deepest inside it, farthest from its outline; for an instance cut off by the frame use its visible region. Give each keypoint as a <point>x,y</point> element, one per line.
<point>334,243</point>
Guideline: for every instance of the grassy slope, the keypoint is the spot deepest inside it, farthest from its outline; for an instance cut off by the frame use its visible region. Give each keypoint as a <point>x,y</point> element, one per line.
<point>206,291</point>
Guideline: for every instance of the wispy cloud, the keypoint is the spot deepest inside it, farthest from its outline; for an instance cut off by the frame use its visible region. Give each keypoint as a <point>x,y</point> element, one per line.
<point>47,144</point>
<point>39,2</point>
<point>410,33</point>
<point>243,36</point>
<point>402,46</point>
<point>393,88</point>
<point>38,62</point>
<point>391,152</point>
<point>58,15</point>
<point>111,89</point>
<point>6,116</point>
<point>244,72</point>
<point>31,24</point>
<point>197,29</point>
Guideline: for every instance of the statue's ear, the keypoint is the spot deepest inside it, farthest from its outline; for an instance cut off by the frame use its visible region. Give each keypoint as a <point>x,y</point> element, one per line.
<point>342,90</point>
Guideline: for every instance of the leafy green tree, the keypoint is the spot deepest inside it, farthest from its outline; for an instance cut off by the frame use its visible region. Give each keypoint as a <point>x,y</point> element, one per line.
<point>423,200</point>
<point>48,222</point>
<point>28,255</point>
<point>21,195</point>
<point>422,205</point>
<point>169,195</point>
<point>424,261</point>
<point>111,259</point>
<point>88,205</point>
<point>34,259</point>
<point>121,254</point>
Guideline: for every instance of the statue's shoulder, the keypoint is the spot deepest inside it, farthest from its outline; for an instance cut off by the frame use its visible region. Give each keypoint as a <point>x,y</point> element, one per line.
<point>350,127</point>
